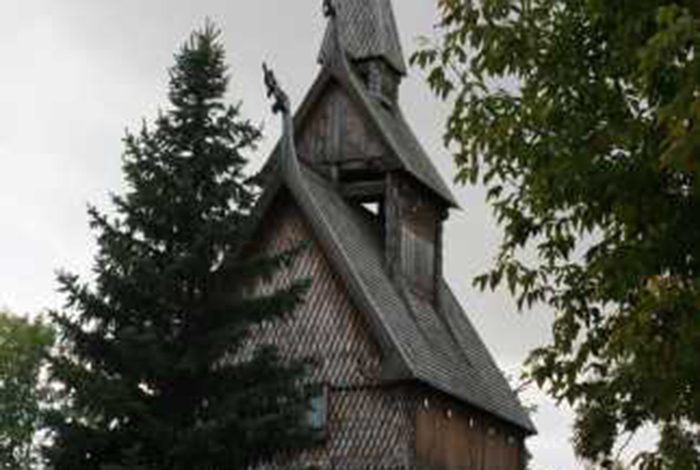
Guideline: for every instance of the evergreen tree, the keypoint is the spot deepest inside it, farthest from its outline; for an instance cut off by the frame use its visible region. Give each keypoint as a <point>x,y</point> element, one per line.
<point>157,362</point>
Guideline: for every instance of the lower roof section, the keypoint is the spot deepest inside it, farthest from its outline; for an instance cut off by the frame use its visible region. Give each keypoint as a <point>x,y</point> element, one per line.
<point>439,348</point>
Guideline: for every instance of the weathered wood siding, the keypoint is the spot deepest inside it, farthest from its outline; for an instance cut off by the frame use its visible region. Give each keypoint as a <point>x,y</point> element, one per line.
<point>451,436</point>
<point>369,426</point>
<point>336,132</point>
<point>414,232</point>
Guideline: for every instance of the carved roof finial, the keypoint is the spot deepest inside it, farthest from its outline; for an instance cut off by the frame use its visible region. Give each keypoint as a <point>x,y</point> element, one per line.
<point>329,9</point>
<point>281,105</point>
<point>281,100</point>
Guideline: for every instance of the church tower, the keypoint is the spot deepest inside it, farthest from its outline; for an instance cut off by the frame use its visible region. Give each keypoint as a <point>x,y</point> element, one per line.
<point>370,39</point>
<point>407,382</point>
<point>360,140</point>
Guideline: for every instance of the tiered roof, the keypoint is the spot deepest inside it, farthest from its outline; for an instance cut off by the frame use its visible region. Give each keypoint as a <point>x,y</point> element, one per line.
<point>436,346</point>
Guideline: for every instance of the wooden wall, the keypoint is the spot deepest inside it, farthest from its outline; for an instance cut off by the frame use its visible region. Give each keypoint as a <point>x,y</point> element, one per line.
<point>369,426</point>
<point>451,436</point>
<point>414,235</point>
<point>336,131</point>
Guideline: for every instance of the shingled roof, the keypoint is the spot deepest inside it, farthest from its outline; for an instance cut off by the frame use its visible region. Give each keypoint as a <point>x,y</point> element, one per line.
<point>368,30</point>
<point>439,348</point>
<point>389,122</point>
<point>435,346</point>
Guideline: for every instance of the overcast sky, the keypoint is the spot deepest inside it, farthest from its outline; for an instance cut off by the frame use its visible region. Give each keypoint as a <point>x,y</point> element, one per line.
<point>76,73</point>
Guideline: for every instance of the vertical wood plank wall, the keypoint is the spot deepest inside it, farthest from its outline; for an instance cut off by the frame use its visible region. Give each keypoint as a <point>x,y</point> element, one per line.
<point>419,225</point>
<point>450,436</point>
<point>370,426</point>
<point>337,131</point>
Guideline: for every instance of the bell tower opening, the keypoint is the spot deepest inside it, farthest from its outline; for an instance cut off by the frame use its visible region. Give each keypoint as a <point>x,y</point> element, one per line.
<point>413,222</point>
<point>380,79</point>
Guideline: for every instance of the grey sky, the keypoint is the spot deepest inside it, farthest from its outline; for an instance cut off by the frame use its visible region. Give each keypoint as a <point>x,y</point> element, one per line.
<point>75,73</point>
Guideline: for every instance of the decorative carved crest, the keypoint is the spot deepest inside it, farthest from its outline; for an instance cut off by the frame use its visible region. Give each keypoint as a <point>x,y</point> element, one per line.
<point>329,9</point>
<point>281,100</point>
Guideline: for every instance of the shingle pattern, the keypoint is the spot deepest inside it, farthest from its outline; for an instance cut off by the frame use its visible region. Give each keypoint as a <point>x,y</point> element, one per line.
<point>441,349</point>
<point>368,30</point>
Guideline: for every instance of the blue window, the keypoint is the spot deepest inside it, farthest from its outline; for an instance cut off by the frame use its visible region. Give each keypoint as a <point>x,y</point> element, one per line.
<point>317,414</point>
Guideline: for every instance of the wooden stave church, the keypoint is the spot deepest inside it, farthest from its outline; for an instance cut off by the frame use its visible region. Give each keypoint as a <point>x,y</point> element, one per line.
<point>406,381</point>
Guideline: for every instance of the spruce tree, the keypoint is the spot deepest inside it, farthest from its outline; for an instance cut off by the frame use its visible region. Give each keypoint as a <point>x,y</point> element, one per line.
<point>156,361</point>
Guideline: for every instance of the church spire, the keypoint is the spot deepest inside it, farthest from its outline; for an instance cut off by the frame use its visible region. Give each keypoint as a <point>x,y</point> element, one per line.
<point>333,53</point>
<point>368,31</point>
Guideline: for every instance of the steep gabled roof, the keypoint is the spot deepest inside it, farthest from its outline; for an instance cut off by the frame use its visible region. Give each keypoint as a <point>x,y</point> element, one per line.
<point>387,120</point>
<point>389,123</point>
<point>439,348</point>
<point>368,31</point>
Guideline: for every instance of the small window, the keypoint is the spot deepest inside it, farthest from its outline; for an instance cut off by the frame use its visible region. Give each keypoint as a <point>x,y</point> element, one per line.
<point>317,413</point>
<point>372,207</point>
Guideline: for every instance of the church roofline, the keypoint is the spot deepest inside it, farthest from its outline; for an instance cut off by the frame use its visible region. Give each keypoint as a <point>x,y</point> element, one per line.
<point>438,348</point>
<point>432,343</point>
<point>367,30</point>
<point>391,127</point>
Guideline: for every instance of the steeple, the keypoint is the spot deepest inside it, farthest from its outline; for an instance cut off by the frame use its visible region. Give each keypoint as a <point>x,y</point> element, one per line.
<point>368,31</point>
<point>369,36</point>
